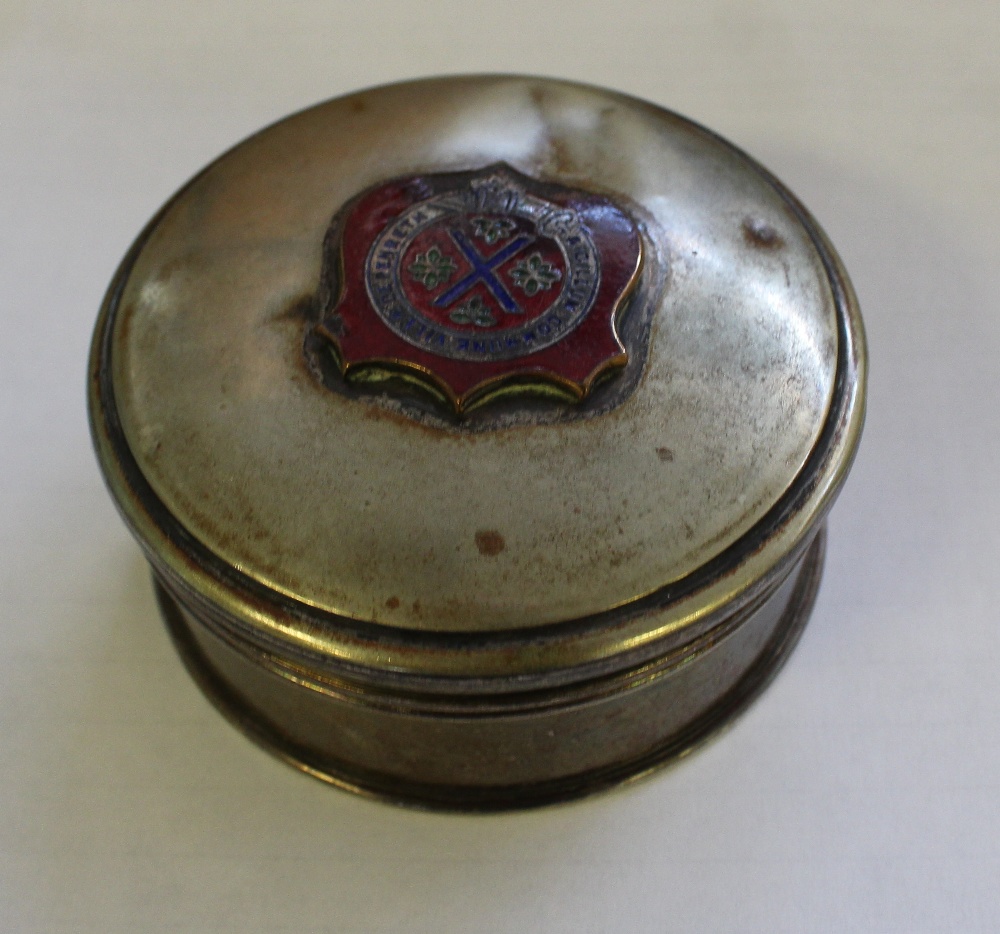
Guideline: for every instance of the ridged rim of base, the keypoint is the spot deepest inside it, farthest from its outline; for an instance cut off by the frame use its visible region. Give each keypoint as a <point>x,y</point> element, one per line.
<point>508,797</point>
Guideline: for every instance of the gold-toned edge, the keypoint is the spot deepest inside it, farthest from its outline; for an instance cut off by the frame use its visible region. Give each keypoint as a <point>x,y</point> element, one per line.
<point>433,696</point>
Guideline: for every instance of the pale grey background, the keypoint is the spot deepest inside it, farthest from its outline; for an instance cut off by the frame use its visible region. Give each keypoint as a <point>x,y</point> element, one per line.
<point>862,793</point>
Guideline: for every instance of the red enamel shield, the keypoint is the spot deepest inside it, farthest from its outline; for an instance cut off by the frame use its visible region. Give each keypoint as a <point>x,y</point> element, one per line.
<point>478,281</point>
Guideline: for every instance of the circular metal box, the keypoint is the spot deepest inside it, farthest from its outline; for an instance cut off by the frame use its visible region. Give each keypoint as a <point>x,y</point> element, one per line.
<point>479,432</point>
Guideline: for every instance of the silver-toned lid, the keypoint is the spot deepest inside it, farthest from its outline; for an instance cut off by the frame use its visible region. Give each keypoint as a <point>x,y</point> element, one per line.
<point>718,444</point>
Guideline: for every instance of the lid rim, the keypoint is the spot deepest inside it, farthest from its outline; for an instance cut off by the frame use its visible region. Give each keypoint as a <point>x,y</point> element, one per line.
<point>787,525</point>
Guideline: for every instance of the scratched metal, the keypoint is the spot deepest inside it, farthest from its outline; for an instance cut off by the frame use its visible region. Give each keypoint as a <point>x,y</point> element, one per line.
<point>348,507</point>
<point>522,603</point>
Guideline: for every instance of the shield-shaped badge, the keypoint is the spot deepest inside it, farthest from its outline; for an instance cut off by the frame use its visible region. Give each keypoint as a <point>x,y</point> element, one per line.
<point>474,283</point>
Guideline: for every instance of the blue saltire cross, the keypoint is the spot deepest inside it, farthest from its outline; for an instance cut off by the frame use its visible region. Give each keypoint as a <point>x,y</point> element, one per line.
<point>483,271</point>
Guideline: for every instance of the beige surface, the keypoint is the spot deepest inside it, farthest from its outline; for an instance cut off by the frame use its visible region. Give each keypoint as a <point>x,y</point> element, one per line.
<point>860,794</point>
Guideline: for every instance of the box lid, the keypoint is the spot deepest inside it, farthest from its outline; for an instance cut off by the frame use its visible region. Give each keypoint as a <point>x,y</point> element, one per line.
<point>327,400</point>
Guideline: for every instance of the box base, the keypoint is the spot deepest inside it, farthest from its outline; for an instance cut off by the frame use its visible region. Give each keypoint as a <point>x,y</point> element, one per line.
<point>493,797</point>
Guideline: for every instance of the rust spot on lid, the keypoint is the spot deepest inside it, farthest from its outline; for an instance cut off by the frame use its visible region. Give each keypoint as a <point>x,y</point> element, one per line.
<point>489,542</point>
<point>392,603</point>
<point>758,232</point>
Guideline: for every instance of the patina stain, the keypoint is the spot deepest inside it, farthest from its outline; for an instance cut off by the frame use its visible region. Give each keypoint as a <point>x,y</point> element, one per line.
<point>760,233</point>
<point>489,542</point>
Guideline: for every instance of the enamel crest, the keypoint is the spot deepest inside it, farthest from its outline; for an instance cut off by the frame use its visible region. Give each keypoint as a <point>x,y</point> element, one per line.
<point>479,283</point>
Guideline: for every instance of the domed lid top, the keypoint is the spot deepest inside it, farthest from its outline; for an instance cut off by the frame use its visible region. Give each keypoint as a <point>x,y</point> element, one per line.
<point>477,354</point>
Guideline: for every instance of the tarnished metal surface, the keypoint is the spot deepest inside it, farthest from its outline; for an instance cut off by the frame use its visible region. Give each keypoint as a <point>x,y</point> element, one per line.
<point>318,497</point>
<point>489,752</point>
<point>494,606</point>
